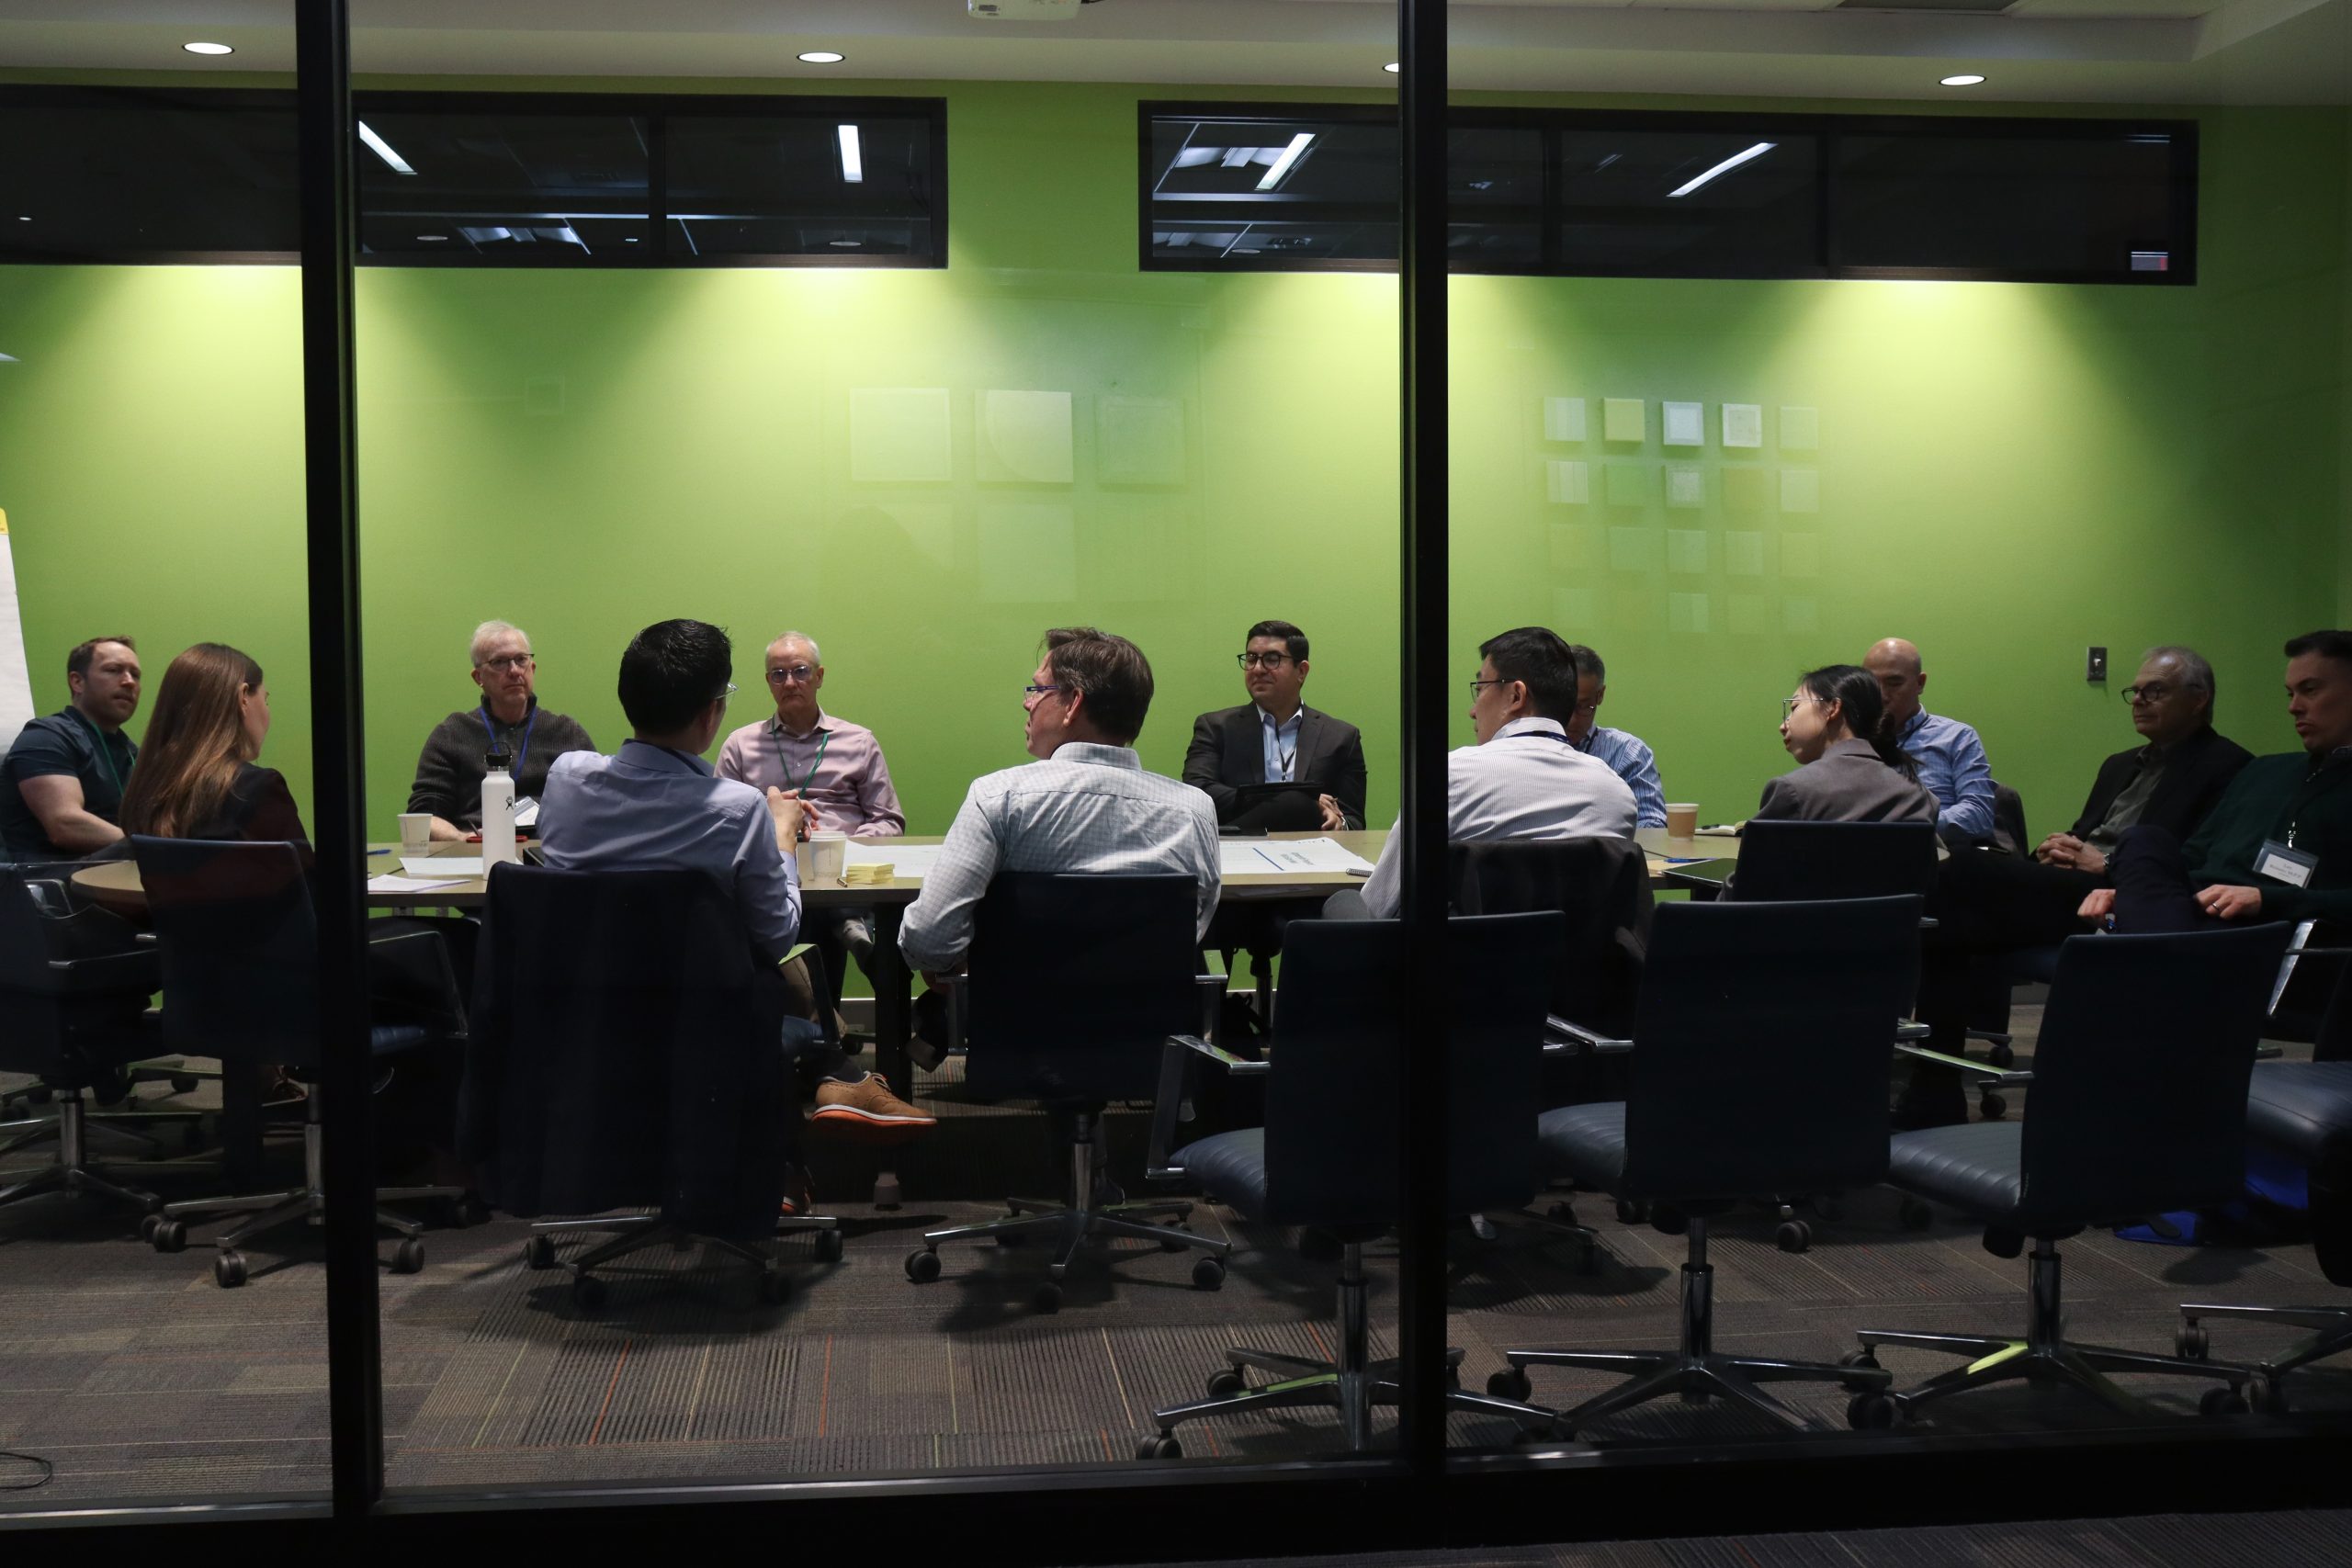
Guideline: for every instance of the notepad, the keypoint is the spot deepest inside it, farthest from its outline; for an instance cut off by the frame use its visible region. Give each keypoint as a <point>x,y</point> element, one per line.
<point>442,868</point>
<point>389,883</point>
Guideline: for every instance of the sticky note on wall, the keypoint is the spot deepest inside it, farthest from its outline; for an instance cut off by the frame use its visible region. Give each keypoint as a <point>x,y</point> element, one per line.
<point>1629,484</point>
<point>1025,438</point>
<point>1564,419</point>
<point>1622,419</point>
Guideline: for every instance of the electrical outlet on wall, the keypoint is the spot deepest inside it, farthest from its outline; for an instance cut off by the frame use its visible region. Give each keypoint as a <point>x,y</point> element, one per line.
<point>2095,667</point>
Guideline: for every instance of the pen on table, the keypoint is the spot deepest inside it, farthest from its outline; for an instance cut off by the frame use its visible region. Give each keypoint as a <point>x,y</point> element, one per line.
<point>380,852</point>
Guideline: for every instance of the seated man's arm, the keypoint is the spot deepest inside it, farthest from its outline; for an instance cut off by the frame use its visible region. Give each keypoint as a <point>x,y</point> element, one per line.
<point>877,799</point>
<point>1203,760</point>
<point>1970,814</point>
<point>767,884</point>
<point>56,799</point>
<point>1381,894</point>
<point>938,925</point>
<point>438,788</point>
<point>1348,787</point>
<point>1649,795</point>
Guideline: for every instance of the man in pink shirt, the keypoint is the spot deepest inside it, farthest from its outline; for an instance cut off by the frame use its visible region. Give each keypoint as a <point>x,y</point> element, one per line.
<point>835,766</point>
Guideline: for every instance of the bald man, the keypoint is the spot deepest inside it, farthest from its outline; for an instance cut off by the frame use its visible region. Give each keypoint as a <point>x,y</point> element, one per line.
<point>1952,759</point>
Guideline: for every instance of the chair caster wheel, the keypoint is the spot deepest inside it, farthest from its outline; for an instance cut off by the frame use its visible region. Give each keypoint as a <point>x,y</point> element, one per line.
<point>1208,1274</point>
<point>148,1226</point>
<point>1864,1360</point>
<point>2266,1396</point>
<point>169,1235</point>
<point>228,1271</point>
<point>588,1292</point>
<point>183,1083</point>
<point>2004,1244</point>
<point>2001,1055</point>
<point>1793,1236</point>
<point>1631,1211</point>
<point>922,1266</point>
<point>2223,1402</point>
<point>1915,1215</point>
<point>1047,1299</point>
<point>1992,1107</point>
<point>1561,1213</point>
<point>1227,1382</point>
<point>1163,1446</point>
<point>539,1252</point>
<point>1511,1382</point>
<point>2192,1343</point>
<point>408,1258</point>
<point>829,1246</point>
<point>1668,1221</point>
<point>463,1213</point>
<point>775,1285</point>
<point>1872,1413</point>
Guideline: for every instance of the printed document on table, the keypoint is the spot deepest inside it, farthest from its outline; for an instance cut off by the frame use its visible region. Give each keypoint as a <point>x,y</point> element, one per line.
<point>910,862</point>
<point>388,882</point>
<point>1269,857</point>
<point>442,868</point>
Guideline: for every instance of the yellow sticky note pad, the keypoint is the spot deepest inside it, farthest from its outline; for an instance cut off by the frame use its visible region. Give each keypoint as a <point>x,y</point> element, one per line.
<point>1622,419</point>
<point>4,521</point>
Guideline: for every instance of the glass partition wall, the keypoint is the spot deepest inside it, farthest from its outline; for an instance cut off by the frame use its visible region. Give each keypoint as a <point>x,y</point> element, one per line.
<point>887,353</point>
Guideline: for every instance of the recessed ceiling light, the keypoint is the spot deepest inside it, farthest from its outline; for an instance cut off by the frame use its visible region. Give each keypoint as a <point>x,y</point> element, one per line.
<point>1391,68</point>
<point>846,245</point>
<point>429,238</point>
<point>1962,81</point>
<point>821,57</point>
<point>208,49</point>
<point>628,239</point>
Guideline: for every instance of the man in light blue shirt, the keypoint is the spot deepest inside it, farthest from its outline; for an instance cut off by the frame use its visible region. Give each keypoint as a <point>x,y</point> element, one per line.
<point>1952,759</point>
<point>656,805</point>
<point>1626,755</point>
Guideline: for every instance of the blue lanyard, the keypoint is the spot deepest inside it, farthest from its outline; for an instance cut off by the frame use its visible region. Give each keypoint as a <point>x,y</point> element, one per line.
<point>528,725</point>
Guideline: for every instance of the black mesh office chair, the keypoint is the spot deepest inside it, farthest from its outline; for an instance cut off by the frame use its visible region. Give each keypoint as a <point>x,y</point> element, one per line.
<point>1788,862</point>
<point>240,970</point>
<point>1734,994</point>
<point>626,1054</point>
<point>2139,1108</point>
<point>1075,982</point>
<point>1331,1154</point>
<point>74,982</point>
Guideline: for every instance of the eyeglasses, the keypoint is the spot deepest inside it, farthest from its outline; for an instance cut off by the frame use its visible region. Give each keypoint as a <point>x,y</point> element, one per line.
<point>1267,661</point>
<point>508,661</point>
<point>726,691</point>
<point>2155,692</point>
<point>1032,693</point>
<point>1477,685</point>
<point>1789,705</point>
<point>801,674</point>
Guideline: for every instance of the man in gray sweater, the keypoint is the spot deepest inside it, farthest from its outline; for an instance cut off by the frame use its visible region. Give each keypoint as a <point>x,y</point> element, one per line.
<point>450,769</point>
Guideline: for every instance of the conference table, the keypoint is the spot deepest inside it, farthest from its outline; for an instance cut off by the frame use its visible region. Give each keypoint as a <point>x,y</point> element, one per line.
<point>115,884</point>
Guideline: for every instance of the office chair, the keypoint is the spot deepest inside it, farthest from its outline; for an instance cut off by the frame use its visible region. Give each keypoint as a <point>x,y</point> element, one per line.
<point>1733,993</point>
<point>240,971</point>
<point>74,987</point>
<point>626,1054</point>
<point>2139,1108</point>
<point>1791,861</point>
<point>1331,1154</point>
<point>1600,887</point>
<point>1075,982</point>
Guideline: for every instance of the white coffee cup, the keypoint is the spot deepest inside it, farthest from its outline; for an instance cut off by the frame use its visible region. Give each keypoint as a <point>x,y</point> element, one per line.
<point>828,854</point>
<point>416,831</point>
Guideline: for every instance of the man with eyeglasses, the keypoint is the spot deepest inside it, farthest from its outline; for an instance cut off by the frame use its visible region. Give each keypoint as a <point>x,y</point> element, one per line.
<point>1952,766</point>
<point>834,767</point>
<point>1275,738</point>
<point>655,803</point>
<point>450,769</point>
<point>1627,755</point>
<point>1523,778</point>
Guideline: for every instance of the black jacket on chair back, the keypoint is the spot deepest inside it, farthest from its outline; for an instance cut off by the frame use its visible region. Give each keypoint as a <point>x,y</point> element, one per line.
<point>626,1052</point>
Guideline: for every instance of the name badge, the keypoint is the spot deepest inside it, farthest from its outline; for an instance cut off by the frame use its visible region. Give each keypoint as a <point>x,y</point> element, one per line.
<point>2279,864</point>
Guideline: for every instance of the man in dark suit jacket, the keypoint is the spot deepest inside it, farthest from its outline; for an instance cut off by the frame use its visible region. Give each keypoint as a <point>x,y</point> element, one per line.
<point>1275,737</point>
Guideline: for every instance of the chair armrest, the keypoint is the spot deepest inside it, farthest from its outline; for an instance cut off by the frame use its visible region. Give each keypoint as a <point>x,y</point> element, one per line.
<point>1993,1077</point>
<point>1170,1107</point>
<point>139,969</point>
<point>1908,1031</point>
<point>1211,989</point>
<point>2269,1052</point>
<point>1580,1038</point>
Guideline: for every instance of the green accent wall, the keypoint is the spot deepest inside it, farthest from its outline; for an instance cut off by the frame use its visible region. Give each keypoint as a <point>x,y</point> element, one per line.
<point>2004,473</point>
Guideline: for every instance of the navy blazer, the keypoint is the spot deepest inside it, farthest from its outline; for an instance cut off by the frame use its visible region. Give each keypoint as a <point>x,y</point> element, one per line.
<point>1228,750</point>
<point>2199,770</point>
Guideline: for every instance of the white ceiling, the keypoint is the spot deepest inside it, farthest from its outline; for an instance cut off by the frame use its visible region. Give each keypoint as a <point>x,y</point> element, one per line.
<point>2146,51</point>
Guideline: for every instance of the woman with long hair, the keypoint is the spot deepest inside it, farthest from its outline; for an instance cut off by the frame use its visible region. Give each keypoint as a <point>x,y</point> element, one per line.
<point>1835,726</point>
<point>197,777</point>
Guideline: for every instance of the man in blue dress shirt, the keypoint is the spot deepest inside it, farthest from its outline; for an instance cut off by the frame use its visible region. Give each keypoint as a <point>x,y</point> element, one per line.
<point>1626,755</point>
<point>1952,759</point>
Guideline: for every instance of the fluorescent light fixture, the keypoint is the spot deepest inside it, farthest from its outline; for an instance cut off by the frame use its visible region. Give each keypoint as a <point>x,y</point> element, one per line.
<point>1282,165</point>
<point>1966,79</point>
<point>852,156</point>
<point>383,149</point>
<point>821,57</point>
<point>7,359</point>
<point>208,49</point>
<point>1727,166</point>
<point>432,238</point>
<point>1391,68</point>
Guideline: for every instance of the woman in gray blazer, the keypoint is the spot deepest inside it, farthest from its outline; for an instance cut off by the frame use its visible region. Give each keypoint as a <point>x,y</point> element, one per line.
<point>1836,726</point>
